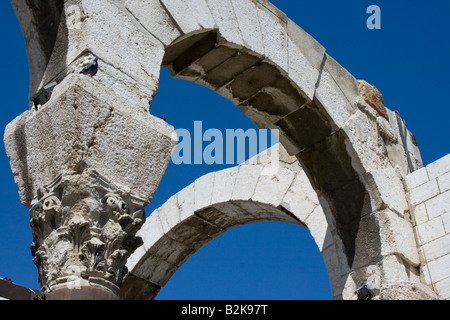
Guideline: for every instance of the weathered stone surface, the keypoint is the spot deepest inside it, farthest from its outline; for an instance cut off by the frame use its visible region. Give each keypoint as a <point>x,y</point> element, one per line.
<point>373,97</point>
<point>300,199</point>
<point>191,15</point>
<point>39,23</point>
<point>274,34</point>
<point>136,288</point>
<point>368,150</point>
<point>424,192</point>
<point>406,291</point>
<point>225,18</point>
<point>248,21</point>
<point>388,191</point>
<point>272,188</point>
<point>86,126</point>
<point>309,48</point>
<point>333,90</point>
<point>84,230</point>
<point>154,18</point>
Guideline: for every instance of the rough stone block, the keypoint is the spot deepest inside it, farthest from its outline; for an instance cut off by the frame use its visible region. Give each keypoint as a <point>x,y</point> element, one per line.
<point>332,97</point>
<point>224,182</point>
<point>134,259</point>
<point>397,237</point>
<point>420,214</point>
<point>151,231</point>
<point>439,167</point>
<point>343,79</point>
<point>203,191</point>
<point>438,205</point>
<point>194,232</point>
<point>437,248</point>
<point>430,231</point>
<point>364,143</point>
<point>303,73</point>
<point>312,50</point>
<point>423,192</point>
<point>128,49</point>
<point>246,181</point>
<point>225,72</point>
<point>169,214</point>
<point>154,270</point>
<point>171,251</point>
<point>225,18</point>
<point>186,202</point>
<point>135,288</point>
<point>265,212</point>
<point>387,190</point>
<point>444,182</point>
<point>274,36</point>
<point>272,188</point>
<point>190,15</point>
<point>318,226</point>
<point>87,126</point>
<point>443,288</point>
<point>217,215</point>
<point>154,18</point>
<point>234,213</point>
<point>248,21</point>
<point>331,260</point>
<point>417,178</point>
<point>446,221</point>
<point>302,128</point>
<point>439,268</point>
<point>300,199</point>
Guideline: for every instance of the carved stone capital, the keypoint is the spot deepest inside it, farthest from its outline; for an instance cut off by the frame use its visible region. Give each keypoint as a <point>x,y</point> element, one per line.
<point>84,229</point>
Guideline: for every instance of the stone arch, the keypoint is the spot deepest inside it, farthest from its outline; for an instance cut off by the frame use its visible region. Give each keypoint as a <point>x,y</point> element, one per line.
<point>221,200</point>
<point>348,143</point>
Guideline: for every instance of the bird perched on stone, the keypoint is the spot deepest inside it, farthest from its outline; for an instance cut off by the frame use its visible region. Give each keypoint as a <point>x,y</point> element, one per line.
<point>366,292</point>
<point>91,68</point>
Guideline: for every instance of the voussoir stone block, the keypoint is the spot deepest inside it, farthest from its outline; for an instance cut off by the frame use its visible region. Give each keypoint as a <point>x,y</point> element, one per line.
<point>397,237</point>
<point>133,53</point>
<point>225,18</point>
<point>387,190</point>
<point>305,59</point>
<point>154,18</point>
<point>250,28</point>
<point>190,15</point>
<point>333,99</point>
<point>224,183</point>
<point>271,189</point>
<point>300,199</point>
<point>274,35</point>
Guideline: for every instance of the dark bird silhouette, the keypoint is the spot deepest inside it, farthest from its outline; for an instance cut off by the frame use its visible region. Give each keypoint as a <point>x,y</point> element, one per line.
<point>91,68</point>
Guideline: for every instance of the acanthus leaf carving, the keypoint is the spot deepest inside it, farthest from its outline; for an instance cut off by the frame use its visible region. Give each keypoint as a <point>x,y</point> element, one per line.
<point>86,231</point>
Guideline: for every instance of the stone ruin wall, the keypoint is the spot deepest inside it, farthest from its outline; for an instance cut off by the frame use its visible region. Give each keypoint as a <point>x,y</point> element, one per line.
<point>356,153</point>
<point>429,195</point>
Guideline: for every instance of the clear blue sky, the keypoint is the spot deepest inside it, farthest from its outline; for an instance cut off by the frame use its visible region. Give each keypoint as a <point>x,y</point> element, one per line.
<point>407,60</point>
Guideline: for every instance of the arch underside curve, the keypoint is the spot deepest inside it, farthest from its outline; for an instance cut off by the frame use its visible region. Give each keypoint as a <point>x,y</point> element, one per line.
<point>221,200</point>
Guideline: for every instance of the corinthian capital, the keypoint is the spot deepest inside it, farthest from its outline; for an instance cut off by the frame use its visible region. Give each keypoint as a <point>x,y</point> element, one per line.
<point>84,230</point>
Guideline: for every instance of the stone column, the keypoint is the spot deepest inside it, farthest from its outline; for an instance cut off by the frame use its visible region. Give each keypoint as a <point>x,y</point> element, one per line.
<point>86,163</point>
